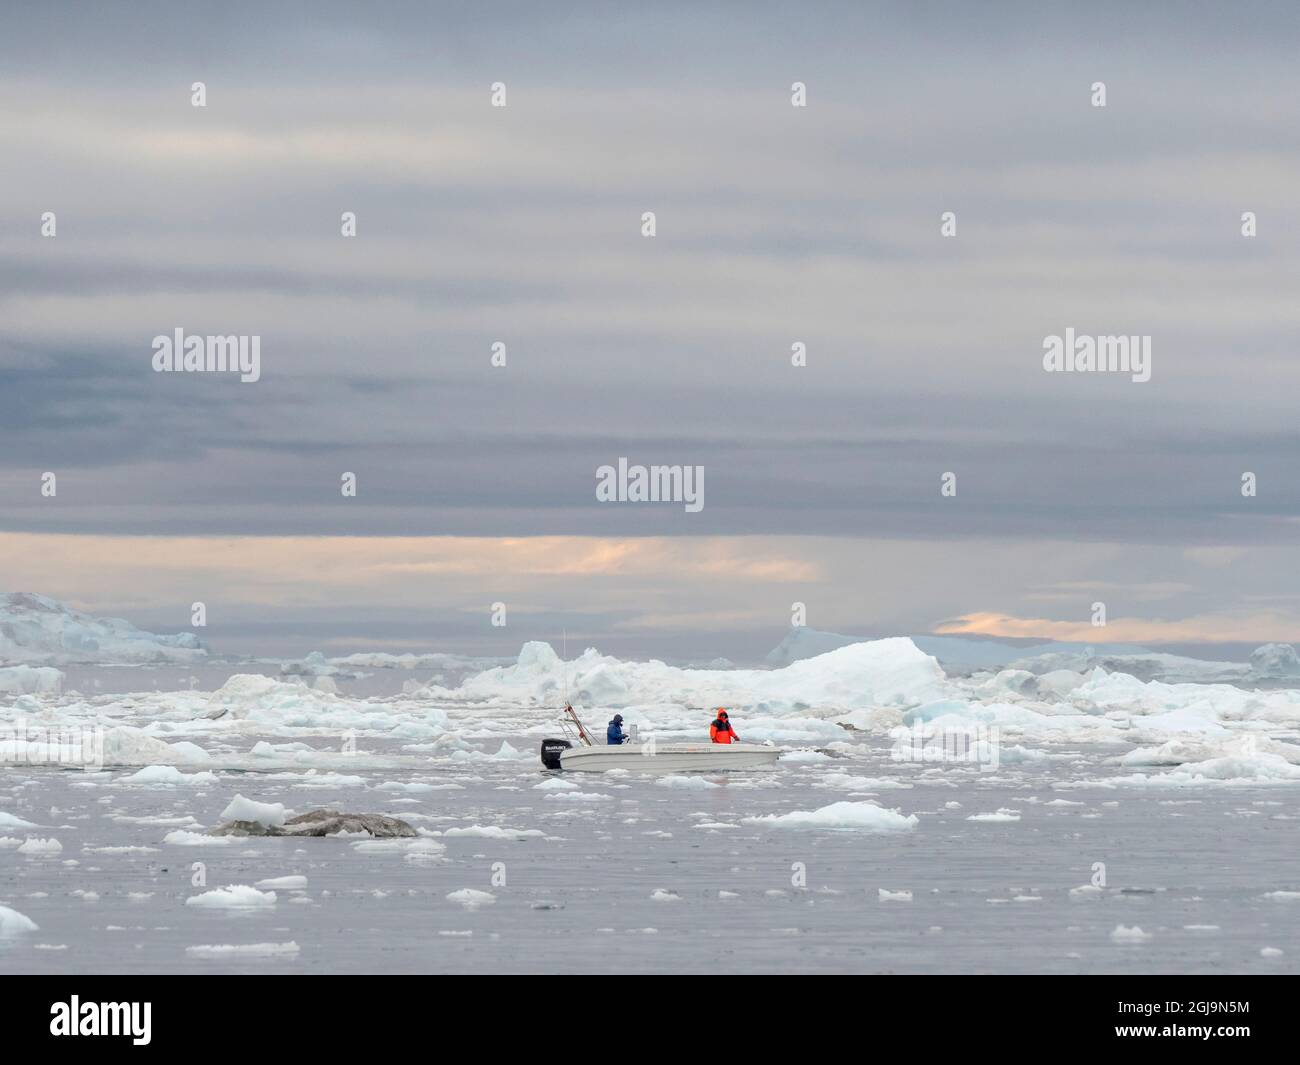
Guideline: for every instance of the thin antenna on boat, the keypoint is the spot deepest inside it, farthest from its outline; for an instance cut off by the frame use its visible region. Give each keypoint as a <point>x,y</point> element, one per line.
<point>564,660</point>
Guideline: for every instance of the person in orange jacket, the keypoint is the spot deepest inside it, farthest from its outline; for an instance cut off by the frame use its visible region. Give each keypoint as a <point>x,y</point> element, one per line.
<point>721,731</point>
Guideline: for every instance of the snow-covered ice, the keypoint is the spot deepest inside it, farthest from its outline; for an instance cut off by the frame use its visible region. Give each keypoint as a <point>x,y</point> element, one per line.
<point>1188,791</point>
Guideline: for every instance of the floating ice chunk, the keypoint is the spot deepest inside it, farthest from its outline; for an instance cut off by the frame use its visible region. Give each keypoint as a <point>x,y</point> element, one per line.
<point>1270,952</point>
<point>472,898</point>
<point>13,923</point>
<point>555,784</point>
<point>285,883</point>
<point>124,745</point>
<point>848,782</point>
<point>417,851</point>
<point>243,950</point>
<point>424,851</point>
<point>494,832</point>
<point>664,895</point>
<point>313,779</point>
<point>189,752</point>
<point>182,837</point>
<point>1002,814</point>
<point>267,814</point>
<point>13,821</point>
<point>685,783</point>
<point>27,680</point>
<point>35,847</point>
<point>863,816</point>
<point>577,796</point>
<point>800,756</point>
<point>233,897</point>
<point>1124,934</point>
<point>170,776</point>
<point>893,896</point>
<point>119,850</point>
<point>1232,771</point>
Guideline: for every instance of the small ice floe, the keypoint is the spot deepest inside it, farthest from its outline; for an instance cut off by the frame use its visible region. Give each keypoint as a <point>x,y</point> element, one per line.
<point>243,950</point>
<point>415,851</point>
<point>7,842</point>
<point>849,782</point>
<point>168,776</point>
<point>266,814</point>
<point>284,883</point>
<point>494,832</point>
<point>13,821</point>
<point>885,895</point>
<point>1283,896</point>
<point>577,796</point>
<point>184,838</point>
<point>35,847</point>
<point>1270,952</point>
<point>414,787</point>
<point>1200,928</point>
<point>1124,934</point>
<point>472,898</point>
<point>1001,814</point>
<point>860,816</point>
<point>313,779</point>
<point>233,897</point>
<point>685,783</point>
<point>804,755</point>
<point>1086,891</point>
<point>13,923</point>
<point>663,895</point>
<point>555,784</point>
<point>728,894</point>
<point>119,850</point>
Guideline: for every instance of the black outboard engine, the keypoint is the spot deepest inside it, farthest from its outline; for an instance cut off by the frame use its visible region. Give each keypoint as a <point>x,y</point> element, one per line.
<point>551,750</point>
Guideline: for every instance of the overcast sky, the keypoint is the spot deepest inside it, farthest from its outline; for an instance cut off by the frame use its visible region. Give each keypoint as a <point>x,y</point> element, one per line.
<point>776,225</point>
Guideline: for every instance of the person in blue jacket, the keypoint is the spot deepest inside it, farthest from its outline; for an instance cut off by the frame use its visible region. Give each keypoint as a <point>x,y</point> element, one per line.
<point>614,736</point>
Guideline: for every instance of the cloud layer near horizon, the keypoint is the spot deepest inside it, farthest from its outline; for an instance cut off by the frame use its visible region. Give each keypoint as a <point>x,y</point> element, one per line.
<point>689,596</point>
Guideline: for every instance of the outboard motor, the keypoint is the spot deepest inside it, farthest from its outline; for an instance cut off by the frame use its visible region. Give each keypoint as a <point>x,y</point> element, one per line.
<point>551,751</point>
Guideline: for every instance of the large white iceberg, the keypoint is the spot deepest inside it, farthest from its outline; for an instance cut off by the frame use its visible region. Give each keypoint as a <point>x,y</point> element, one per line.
<point>35,629</point>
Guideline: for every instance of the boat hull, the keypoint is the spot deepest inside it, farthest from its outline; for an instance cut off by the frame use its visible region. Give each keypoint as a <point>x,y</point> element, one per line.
<point>669,757</point>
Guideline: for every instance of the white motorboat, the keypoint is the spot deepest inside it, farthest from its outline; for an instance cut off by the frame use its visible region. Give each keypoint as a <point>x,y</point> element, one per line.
<point>649,756</point>
<point>669,757</point>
